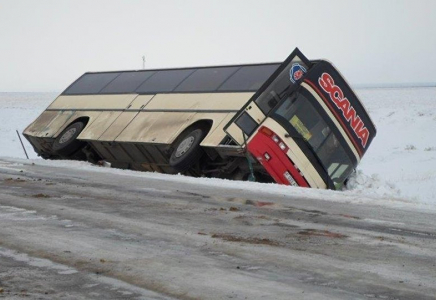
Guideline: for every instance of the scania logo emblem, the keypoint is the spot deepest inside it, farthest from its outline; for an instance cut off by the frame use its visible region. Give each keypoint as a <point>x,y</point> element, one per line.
<point>296,72</point>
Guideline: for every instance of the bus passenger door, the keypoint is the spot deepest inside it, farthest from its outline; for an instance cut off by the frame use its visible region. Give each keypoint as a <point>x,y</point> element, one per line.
<point>247,120</point>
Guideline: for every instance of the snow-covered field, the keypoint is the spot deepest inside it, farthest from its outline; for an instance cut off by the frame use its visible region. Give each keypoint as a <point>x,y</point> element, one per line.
<point>400,165</point>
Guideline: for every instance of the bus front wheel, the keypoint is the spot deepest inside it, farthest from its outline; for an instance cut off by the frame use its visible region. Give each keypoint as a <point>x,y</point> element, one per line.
<point>187,151</point>
<point>66,143</point>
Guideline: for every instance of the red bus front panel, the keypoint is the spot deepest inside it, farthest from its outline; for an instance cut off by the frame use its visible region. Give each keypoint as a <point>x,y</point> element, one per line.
<point>274,158</point>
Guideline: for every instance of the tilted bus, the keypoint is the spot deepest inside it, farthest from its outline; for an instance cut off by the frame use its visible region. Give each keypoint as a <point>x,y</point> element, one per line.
<point>296,123</point>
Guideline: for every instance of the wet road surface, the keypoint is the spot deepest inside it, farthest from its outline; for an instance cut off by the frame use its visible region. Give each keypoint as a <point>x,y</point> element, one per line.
<point>75,233</point>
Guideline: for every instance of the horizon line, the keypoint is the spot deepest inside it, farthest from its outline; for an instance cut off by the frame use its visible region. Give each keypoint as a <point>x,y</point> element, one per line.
<point>355,86</point>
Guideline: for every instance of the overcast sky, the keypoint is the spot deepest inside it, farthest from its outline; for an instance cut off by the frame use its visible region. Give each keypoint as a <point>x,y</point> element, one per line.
<point>47,44</point>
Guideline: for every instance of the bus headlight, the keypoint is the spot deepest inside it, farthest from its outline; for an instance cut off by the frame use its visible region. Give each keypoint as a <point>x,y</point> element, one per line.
<point>275,138</point>
<point>282,146</point>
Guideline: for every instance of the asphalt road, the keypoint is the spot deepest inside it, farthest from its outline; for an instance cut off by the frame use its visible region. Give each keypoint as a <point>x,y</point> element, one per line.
<point>74,233</point>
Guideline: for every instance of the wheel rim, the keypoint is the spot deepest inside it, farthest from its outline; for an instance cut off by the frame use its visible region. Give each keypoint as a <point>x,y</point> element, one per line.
<point>67,135</point>
<point>184,146</point>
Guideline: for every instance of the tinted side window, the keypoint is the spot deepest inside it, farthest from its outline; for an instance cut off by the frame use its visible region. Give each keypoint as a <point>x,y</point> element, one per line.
<point>164,81</point>
<point>90,83</point>
<point>207,79</point>
<point>249,78</point>
<point>127,82</point>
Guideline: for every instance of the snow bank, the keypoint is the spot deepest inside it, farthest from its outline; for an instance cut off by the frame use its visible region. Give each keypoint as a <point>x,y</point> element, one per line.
<point>402,157</point>
<point>400,164</point>
<point>17,110</point>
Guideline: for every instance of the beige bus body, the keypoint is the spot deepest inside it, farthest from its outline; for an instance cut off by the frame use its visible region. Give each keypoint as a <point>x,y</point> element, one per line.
<point>139,118</point>
<point>119,126</point>
<point>165,120</point>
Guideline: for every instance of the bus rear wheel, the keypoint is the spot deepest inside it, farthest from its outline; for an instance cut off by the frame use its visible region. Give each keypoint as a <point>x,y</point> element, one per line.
<point>66,143</point>
<point>187,151</point>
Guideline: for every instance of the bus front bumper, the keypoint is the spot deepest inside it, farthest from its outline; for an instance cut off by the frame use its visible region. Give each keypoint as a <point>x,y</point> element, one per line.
<point>275,161</point>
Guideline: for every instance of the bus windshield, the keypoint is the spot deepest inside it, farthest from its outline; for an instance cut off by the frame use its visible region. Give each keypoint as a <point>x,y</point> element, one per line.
<point>309,124</point>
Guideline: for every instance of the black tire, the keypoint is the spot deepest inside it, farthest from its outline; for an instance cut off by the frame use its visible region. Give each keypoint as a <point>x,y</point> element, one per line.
<point>66,144</point>
<point>187,150</point>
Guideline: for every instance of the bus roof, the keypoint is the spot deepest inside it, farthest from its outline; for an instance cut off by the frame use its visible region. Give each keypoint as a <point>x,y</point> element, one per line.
<point>229,78</point>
